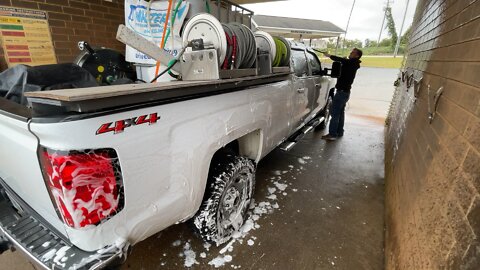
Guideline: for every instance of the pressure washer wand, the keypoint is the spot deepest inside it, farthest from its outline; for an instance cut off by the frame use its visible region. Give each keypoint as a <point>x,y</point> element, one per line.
<point>319,51</point>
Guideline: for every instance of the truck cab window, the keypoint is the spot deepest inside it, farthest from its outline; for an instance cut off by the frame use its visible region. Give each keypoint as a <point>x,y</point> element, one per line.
<point>299,63</point>
<point>315,65</point>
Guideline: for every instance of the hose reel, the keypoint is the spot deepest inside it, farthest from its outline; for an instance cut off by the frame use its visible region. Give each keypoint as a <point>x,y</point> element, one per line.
<point>283,51</point>
<point>278,47</point>
<point>234,42</point>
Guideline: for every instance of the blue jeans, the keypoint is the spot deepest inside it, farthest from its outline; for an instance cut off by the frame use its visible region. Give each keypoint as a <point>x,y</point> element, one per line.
<point>338,113</point>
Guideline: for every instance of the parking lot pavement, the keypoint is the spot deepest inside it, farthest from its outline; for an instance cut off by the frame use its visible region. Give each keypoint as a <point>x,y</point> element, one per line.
<point>319,206</point>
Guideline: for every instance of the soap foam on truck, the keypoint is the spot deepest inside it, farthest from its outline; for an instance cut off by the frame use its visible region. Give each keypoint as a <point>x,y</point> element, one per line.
<point>106,161</point>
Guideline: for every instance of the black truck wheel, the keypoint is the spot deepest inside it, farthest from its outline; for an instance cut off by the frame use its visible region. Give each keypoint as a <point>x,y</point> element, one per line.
<point>229,193</point>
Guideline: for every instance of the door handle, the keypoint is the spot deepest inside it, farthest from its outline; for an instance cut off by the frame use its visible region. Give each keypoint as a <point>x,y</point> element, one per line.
<point>301,90</point>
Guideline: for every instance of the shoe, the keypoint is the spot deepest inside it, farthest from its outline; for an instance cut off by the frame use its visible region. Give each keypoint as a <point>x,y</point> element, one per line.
<point>329,137</point>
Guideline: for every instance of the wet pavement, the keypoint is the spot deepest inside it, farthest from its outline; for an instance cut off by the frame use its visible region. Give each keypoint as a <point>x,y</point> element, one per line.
<point>330,214</point>
<point>319,206</point>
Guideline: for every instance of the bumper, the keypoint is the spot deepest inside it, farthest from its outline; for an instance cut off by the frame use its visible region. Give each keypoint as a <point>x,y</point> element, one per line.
<point>48,249</point>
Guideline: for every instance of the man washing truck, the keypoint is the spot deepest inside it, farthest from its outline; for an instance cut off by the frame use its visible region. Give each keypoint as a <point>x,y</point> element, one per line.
<point>342,95</point>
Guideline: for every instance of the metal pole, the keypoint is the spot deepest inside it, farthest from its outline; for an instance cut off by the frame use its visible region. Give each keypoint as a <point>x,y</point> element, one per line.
<point>401,29</point>
<point>383,22</point>
<point>346,29</point>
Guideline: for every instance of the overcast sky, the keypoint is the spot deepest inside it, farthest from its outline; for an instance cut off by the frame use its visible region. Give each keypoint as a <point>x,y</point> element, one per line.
<point>366,18</point>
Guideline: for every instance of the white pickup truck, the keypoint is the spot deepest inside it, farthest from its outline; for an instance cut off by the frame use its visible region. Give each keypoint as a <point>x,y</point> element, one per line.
<point>84,179</point>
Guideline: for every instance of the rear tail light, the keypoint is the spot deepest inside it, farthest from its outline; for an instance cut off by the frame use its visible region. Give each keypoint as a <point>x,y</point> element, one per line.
<point>86,186</point>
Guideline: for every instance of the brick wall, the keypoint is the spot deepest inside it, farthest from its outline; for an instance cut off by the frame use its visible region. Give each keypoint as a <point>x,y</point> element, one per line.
<point>433,166</point>
<point>94,21</point>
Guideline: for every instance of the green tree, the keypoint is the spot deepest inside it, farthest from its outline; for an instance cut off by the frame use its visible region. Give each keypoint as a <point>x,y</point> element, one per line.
<point>353,43</point>
<point>406,36</point>
<point>386,42</point>
<point>369,43</point>
<point>392,32</point>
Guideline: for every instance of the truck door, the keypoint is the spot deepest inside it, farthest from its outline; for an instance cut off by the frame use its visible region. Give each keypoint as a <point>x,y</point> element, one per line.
<point>318,82</point>
<point>301,91</point>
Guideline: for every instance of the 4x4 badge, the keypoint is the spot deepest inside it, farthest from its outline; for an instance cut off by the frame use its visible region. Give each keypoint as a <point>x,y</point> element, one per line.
<point>121,125</point>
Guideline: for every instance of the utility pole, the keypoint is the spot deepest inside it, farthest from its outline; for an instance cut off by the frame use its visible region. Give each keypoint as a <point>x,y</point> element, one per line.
<point>401,29</point>
<point>383,22</point>
<point>346,29</point>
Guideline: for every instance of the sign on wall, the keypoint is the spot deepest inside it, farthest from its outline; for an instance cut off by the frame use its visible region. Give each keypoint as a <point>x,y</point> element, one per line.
<point>25,37</point>
<point>149,22</point>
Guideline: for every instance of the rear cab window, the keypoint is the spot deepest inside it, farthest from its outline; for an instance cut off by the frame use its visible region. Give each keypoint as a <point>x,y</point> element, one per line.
<point>315,65</point>
<point>300,66</point>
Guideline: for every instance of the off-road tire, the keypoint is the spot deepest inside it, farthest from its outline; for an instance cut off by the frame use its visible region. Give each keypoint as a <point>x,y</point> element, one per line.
<point>230,178</point>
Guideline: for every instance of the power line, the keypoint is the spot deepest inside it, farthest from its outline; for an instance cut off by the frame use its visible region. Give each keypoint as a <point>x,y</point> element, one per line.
<point>346,29</point>
<point>383,22</point>
<point>401,29</point>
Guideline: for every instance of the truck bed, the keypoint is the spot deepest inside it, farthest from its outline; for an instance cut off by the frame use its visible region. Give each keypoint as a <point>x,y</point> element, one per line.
<point>94,99</point>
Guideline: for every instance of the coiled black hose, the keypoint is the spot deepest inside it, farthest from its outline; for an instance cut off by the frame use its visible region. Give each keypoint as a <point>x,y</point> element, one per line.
<point>241,46</point>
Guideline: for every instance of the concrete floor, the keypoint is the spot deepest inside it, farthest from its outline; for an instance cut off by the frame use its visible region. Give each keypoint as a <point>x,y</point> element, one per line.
<point>329,215</point>
<point>330,218</point>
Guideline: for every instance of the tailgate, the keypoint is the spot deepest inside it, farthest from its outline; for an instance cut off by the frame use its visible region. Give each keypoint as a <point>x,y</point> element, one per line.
<point>20,169</point>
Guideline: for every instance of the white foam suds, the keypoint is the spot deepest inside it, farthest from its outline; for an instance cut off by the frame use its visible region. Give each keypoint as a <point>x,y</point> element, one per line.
<point>207,246</point>
<point>47,256</point>
<point>280,186</point>
<point>190,255</point>
<point>272,197</point>
<point>60,254</point>
<point>301,161</point>
<point>218,261</point>
<point>228,247</point>
<point>255,212</point>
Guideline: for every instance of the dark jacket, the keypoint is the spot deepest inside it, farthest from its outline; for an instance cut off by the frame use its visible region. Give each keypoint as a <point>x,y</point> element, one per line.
<point>349,70</point>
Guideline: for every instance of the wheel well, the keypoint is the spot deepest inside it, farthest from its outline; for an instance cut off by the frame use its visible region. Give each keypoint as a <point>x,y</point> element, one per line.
<point>233,146</point>
<point>248,146</point>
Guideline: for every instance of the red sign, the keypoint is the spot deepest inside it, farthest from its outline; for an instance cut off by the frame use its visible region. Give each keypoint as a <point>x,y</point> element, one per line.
<point>20,60</point>
<point>17,47</point>
<point>13,34</point>
<point>10,53</point>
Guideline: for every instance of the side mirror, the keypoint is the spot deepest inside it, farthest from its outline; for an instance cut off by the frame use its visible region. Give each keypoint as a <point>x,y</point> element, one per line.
<point>335,71</point>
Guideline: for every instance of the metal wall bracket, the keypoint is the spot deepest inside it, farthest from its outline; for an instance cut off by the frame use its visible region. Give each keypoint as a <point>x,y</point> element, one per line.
<point>436,97</point>
<point>417,84</point>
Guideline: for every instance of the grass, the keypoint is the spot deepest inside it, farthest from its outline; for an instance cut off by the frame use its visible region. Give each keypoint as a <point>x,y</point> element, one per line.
<point>381,50</point>
<point>376,61</point>
<point>382,62</point>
